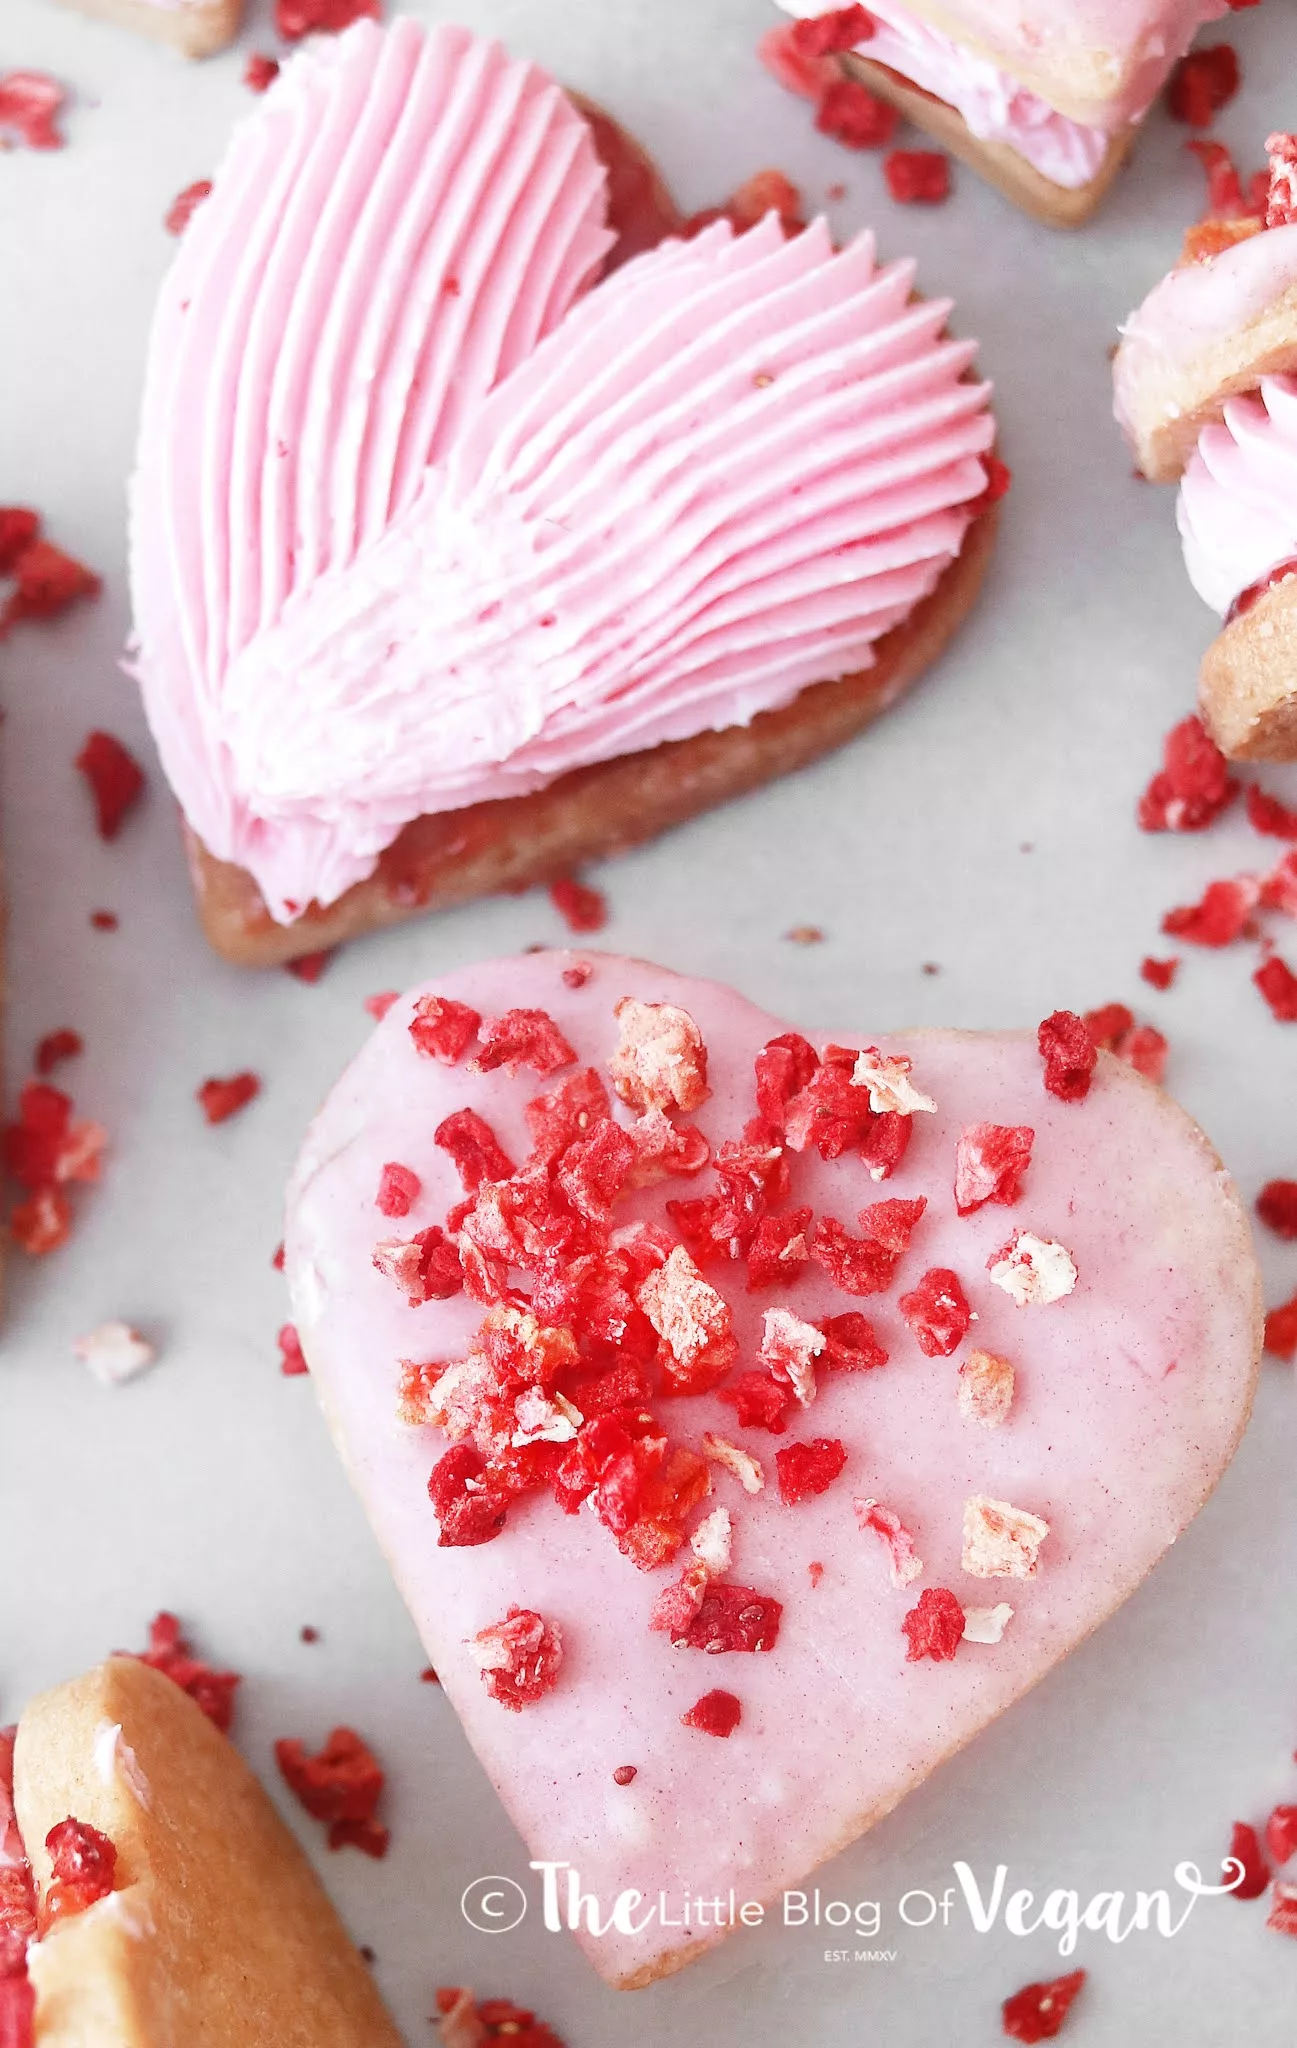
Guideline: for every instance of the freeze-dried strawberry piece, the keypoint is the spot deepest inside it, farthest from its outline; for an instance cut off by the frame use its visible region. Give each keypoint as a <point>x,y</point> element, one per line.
<point>425,1267</point>
<point>260,72</point>
<point>340,1785</point>
<point>937,1312</point>
<point>831,1112</point>
<point>45,1146</point>
<point>185,205</point>
<point>858,1265</point>
<point>469,2025</point>
<point>82,1866</point>
<point>1000,1541</point>
<point>1109,1024</point>
<point>220,1099</point>
<point>309,967</point>
<point>790,1347</point>
<point>523,1038</point>
<point>1278,984</point>
<point>850,114</point>
<point>694,1323</point>
<point>1223,914</point>
<point>170,1653</point>
<point>297,18</point>
<point>41,1224</point>
<point>660,1061</point>
<point>1193,786</point>
<point>935,1627</point>
<point>378,1005</point>
<point>716,1713</point>
<point>824,35</point>
<point>569,1112</point>
<point>986,1384</point>
<point>891,1223</point>
<point>999,482</point>
<point>1282,1917</point>
<point>1245,1851</point>
<point>440,1027</point>
<point>593,1172</point>
<point>1069,1054</point>
<point>104,920</point>
<point>1276,1205</point>
<point>1281,1833</point>
<point>764,192</point>
<point>474,1147</point>
<point>29,106</point>
<point>990,1160</point>
<point>519,1658</point>
<point>886,1076</point>
<point>1202,83</point>
<point>903,1565</point>
<point>1037,2012</point>
<point>884,1143</point>
<point>759,1400</point>
<point>809,1468</point>
<point>784,1066</point>
<point>399,1189</point>
<point>918,177</point>
<point>1279,887</point>
<point>851,1343</point>
<point>1226,203</point>
<point>1281,1330</point>
<point>731,1618</point>
<point>1033,1270</point>
<point>467,1507</point>
<point>581,909</point>
<point>779,1250</point>
<point>1158,973</point>
<point>47,581</point>
<point>292,1358</point>
<point>1265,813</point>
<point>663,1150</point>
<point>1281,193</point>
<point>1113,1029</point>
<point>19,527</point>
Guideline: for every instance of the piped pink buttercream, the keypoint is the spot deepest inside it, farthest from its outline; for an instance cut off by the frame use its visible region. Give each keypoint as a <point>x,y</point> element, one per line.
<point>1237,509</point>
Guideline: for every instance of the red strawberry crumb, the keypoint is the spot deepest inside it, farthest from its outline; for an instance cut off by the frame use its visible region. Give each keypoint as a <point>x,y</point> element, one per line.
<point>1222,915</point>
<point>1226,201</point>
<point>398,1190</point>
<point>1113,1029</point>
<point>29,106</point>
<point>815,1572</point>
<point>999,482</point>
<point>297,18</point>
<point>492,2019</point>
<point>1158,973</point>
<point>716,1713</point>
<point>169,1653</point>
<point>309,966</point>
<point>851,1343</point>
<point>442,1028</point>
<point>918,177</point>
<point>115,777</point>
<point>277,1259</point>
<point>1037,2012</point>
<point>523,1038</point>
<point>1282,1917</point>
<point>42,1223</point>
<point>185,205</point>
<point>82,1866</point>
<point>307,1634</point>
<point>730,1618</point>
<point>1069,1054</point>
<point>1281,1833</point>
<point>990,1160</point>
<point>937,1312</point>
<point>1202,83</point>
<point>625,1774</point>
<point>48,581</point>
<point>825,35</point>
<point>428,1676</point>
<point>1281,1330</point>
<point>935,1627</point>
<point>1265,813</point>
<point>221,1099</point>
<point>855,117</point>
<point>292,1359</point>
<point>472,1144</point>
<point>341,1785</point>
<point>577,976</point>
<point>425,1267</point>
<point>1278,984</point>
<point>260,72</point>
<point>105,920</point>
<point>1193,785</point>
<point>19,527</point>
<point>57,1046</point>
<point>1245,1850</point>
<point>379,1005</point>
<point>759,1401</point>
<point>764,192</point>
<point>1276,1205</point>
<point>1281,196</point>
<point>581,909</point>
<point>809,1468</point>
<point>468,1509</point>
<point>519,1658</point>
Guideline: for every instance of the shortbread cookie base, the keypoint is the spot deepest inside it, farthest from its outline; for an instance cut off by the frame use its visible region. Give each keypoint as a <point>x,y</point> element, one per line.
<point>1057,206</point>
<point>196,31</point>
<point>1247,686</point>
<point>1170,402</point>
<point>219,1935</point>
<point>515,842</point>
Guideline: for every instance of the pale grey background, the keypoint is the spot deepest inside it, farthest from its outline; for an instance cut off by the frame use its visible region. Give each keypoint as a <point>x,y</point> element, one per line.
<point>210,1485</point>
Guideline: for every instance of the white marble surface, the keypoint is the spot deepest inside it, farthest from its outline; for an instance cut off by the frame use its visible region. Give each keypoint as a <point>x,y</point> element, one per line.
<point>209,1485</point>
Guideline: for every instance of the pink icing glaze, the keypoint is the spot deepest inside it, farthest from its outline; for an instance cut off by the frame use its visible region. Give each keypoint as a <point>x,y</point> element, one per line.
<point>736,465</point>
<point>393,229</point>
<point>1196,306</point>
<point>993,104</point>
<point>1130,1395</point>
<point>1237,508</point>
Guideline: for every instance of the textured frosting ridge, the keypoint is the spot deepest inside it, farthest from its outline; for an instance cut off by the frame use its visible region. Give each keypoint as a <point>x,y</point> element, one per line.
<point>737,464</point>
<point>400,221</point>
<point>1237,508</point>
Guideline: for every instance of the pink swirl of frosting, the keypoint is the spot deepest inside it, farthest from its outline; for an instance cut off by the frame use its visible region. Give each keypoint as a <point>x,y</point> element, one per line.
<point>401,220</point>
<point>1237,508</point>
<point>735,466</point>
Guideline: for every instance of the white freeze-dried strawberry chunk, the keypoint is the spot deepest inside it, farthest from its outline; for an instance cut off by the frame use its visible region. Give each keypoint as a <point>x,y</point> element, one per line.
<point>693,1321</point>
<point>985,1388</point>
<point>660,1061</point>
<point>1032,1269</point>
<point>904,1566</point>
<point>545,1421</point>
<point>664,1149</point>
<point>746,1469</point>
<point>790,1348</point>
<point>1000,1541</point>
<point>712,1541</point>
<point>986,1624</point>
<point>115,1352</point>
<point>889,1084</point>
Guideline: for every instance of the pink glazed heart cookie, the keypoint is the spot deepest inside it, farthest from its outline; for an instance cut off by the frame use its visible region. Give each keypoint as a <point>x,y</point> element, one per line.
<point>750,1418</point>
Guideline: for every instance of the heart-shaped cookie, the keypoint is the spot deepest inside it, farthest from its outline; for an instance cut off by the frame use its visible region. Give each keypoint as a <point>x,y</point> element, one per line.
<point>943,1361</point>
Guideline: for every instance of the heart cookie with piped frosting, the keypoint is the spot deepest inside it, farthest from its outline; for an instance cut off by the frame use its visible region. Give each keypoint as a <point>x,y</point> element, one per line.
<point>751,1416</point>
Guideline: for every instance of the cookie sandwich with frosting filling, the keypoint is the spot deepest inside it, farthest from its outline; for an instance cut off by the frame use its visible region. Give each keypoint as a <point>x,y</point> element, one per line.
<point>1042,98</point>
<point>150,1895</point>
<point>1205,386</point>
<point>462,550</point>
<point>750,1416</point>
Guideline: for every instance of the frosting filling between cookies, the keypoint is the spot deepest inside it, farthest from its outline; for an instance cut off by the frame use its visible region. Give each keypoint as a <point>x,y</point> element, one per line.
<point>1237,508</point>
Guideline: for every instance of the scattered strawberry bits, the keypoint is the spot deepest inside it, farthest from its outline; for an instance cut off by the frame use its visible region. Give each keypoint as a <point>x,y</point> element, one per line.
<point>297,18</point>
<point>745,1468</point>
<point>582,909</point>
<point>185,205</point>
<point>466,2024</point>
<point>1113,1029</point>
<point>519,1658</point>
<point>806,1469</point>
<point>1282,1917</point>
<point>790,1348</point>
<point>1037,2012</point>
<point>727,1619</point>
<point>398,1190</point>
<point>712,1542</point>
<point>82,1867</point>
<point>308,967</point>
<point>891,1092</point>
<point>825,35</point>
<point>917,177</point>
<point>29,107</point>
<point>46,580</point>
<point>1281,1833</point>
<point>1000,1541</point>
<point>341,1785</point>
<point>990,1160</point>
<point>116,780</point>
<point>1276,1205</point>
<point>1278,984</point>
<point>1245,1854</point>
<point>45,1150</point>
<point>935,1628</point>
<point>1223,914</point>
<point>660,1061</point>
<point>55,1047</point>
<point>937,1312</point>
<point>693,1321</point>
<point>260,72</point>
<point>1265,813</point>
<point>220,1100</point>
<point>1158,973</point>
<point>169,1653</point>
<point>523,1038</point>
<point>986,1385</point>
<point>903,1565</point>
<point>1281,1330</point>
<point>716,1713</point>
<point>1069,1054</point>
<point>1033,1270</point>
<point>114,1352</point>
<point>1202,83</point>
<point>377,1006</point>
<point>1192,787</point>
<point>292,1358</point>
<point>425,1267</point>
<point>986,1624</point>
